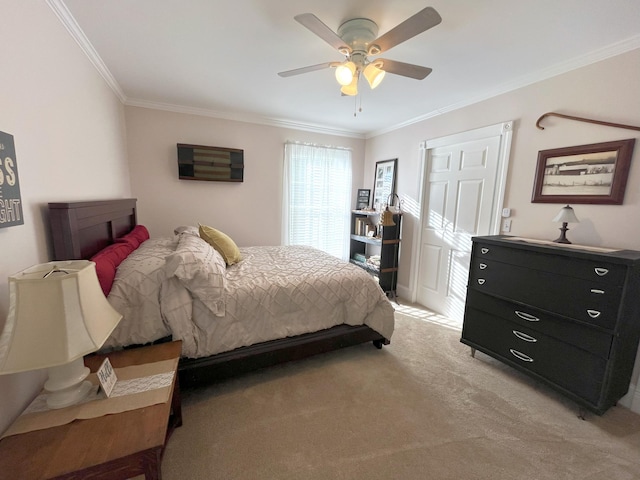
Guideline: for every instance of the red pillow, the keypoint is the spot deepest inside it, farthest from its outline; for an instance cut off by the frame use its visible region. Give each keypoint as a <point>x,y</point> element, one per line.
<point>107,260</point>
<point>135,237</point>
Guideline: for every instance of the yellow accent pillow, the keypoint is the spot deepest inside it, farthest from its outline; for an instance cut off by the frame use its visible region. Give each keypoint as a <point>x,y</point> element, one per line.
<point>222,243</point>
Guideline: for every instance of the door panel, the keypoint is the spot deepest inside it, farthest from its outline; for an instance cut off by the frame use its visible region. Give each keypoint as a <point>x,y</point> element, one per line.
<point>468,206</point>
<point>430,264</point>
<point>472,159</point>
<point>438,202</point>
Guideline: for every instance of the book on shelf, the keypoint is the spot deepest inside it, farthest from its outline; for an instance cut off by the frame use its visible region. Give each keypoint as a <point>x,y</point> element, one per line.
<point>364,227</point>
<point>359,257</point>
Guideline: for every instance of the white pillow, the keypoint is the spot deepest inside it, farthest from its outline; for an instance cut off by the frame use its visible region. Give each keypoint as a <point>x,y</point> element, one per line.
<point>190,229</point>
<point>201,269</point>
<point>135,294</point>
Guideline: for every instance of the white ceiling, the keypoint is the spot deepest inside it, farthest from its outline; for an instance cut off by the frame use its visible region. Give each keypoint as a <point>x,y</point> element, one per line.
<point>221,57</point>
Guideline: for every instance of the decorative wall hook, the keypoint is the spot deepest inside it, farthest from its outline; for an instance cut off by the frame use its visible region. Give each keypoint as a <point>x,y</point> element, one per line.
<point>582,119</point>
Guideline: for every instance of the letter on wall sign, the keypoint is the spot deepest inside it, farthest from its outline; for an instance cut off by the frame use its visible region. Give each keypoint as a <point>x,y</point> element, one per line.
<point>10,202</point>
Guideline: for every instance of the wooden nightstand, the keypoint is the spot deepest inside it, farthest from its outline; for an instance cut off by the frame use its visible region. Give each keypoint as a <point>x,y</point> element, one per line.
<point>118,446</point>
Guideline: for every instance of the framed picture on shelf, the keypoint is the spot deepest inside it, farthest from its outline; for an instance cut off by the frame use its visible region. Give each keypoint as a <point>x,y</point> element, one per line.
<point>363,198</point>
<point>595,173</point>
<point>384,182</point>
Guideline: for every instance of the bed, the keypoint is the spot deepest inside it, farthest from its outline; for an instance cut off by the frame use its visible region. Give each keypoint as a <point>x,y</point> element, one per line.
<point>216,345</point>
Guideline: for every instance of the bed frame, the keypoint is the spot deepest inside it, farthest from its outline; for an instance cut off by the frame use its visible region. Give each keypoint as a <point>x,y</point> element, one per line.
<point>81,229</point>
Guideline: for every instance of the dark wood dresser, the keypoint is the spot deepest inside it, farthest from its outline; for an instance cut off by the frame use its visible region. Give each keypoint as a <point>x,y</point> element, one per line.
<point>567,316</point>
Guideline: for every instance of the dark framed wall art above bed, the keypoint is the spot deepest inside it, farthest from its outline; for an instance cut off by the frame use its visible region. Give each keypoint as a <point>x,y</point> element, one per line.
<point>82,229</point>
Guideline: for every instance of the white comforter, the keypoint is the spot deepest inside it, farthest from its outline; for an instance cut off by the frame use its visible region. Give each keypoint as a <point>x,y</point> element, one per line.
<point>274,292</point>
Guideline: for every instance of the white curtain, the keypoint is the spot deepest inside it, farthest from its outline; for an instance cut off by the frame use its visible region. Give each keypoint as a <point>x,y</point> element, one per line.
<point>317,197</point>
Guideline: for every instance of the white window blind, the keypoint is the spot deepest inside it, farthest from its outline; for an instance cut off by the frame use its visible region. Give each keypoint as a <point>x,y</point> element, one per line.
<point>317,197</point>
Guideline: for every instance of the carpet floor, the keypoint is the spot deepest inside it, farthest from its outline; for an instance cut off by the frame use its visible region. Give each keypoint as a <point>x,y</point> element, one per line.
<point>420,408</point>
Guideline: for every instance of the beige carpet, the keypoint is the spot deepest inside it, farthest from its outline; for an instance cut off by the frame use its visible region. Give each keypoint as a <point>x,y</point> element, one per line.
<point>421,408</point>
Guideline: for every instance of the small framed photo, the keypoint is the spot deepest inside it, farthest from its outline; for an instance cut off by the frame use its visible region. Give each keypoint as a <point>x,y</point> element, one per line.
<point>363,199</point>
<point>595,173</point>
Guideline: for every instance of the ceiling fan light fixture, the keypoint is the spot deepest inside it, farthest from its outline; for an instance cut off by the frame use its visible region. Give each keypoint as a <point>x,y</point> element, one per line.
<point>373,74</point>
<point>352,88</point>
<point>345,73</point>
<point>357,39</point>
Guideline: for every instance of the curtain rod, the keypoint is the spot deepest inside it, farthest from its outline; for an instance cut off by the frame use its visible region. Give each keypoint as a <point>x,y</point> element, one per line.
<point>308,144</point>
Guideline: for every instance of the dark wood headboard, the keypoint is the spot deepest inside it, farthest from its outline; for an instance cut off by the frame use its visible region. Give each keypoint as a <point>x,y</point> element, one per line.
<point>81,229</point>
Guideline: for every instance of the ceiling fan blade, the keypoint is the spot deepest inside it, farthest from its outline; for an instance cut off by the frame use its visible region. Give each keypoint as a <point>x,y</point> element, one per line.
<point>404,69</point>
<point>311,68</point>
<point>314,24</point>
<point>412,26</point>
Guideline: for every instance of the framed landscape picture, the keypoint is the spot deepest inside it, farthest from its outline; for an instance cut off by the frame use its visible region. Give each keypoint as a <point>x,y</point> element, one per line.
<point>595,173</point>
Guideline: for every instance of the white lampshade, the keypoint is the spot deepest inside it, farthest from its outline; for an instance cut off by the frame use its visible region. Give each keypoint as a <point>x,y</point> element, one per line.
<point>352,88</point>
<point>373,74</point>
<point>345,73</point>
<point>566,215</point>
<point>57,314</point>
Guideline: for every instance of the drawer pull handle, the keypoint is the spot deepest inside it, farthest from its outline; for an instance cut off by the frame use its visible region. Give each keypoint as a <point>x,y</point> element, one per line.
<point>601,272</point>
<point>593,313</point>
<point>520,355</point>
<point>526,316</point>
<point>484,250</point>
<point>482,266</point>
<point>524,336</point>
<point>481,281</point>
<point>596,290</point>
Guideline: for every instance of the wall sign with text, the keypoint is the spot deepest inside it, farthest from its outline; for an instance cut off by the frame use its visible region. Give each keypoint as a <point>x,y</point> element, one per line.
<point>10,201</point>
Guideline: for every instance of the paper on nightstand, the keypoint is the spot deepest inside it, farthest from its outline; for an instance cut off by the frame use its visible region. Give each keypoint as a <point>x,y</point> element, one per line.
<point>138,386</point>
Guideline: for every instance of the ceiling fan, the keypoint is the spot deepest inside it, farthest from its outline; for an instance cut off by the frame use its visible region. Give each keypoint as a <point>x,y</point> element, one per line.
<point>356,40</point>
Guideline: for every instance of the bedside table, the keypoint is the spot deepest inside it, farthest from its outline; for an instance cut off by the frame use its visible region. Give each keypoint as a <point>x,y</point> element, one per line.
<point>118,446</point>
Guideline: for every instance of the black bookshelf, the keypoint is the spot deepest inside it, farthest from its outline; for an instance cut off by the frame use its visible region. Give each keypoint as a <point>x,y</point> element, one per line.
<point>368,239</point>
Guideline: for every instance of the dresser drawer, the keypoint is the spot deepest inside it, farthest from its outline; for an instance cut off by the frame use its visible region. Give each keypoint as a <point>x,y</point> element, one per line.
<point>569,367</point>
<point>584,337</point>
<point>584,300</point>
<point>595,270</point>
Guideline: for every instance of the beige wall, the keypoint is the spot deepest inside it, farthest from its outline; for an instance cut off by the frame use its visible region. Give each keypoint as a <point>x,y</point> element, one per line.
<point>68,130</point>
<point>608,90</point>
<point>249,212</point>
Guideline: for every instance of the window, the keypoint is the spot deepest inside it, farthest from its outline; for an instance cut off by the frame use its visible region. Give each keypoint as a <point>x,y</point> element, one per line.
<point>317,196</point>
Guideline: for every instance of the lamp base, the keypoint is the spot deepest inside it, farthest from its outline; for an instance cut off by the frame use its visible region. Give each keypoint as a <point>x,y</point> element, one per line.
<point>563,234</point>
<point>66,385</point>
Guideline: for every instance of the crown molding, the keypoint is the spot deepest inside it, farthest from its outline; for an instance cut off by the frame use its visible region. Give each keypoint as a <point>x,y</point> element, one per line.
<point>243,117</point>
<point>64,15</point>
<point>604,53</point>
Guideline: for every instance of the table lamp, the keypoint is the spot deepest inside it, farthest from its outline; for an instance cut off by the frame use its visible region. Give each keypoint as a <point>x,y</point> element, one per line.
<point>57,314</point>
<point>566,216</point>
